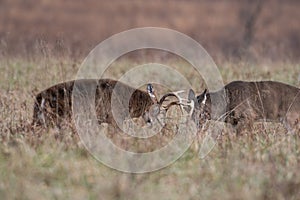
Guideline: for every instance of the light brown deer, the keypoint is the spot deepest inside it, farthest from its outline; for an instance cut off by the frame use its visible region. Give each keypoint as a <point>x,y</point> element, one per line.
<point>54,105</point>
<point>241,104</point>
<point>247,102</point>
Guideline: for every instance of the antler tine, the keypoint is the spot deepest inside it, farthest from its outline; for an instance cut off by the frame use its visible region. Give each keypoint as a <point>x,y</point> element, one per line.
<point>171,104</point>
<point>181,101</point>
<point>192,104</point>
<point>185,102</point>
<point>174,94</point>
<point>162,99</point>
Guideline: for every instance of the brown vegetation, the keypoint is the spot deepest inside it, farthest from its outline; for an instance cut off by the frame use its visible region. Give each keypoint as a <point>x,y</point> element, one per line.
<point>227,29</point>
<point>42,44</point>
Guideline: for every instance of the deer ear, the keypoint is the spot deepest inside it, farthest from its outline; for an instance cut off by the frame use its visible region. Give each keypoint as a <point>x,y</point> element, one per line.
<point>191,95</point>
<point>151,93</point>
<point>201,99</point>
<point>205,97</point>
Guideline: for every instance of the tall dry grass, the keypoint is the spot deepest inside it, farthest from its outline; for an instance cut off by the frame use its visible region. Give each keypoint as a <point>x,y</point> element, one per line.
<point>54,164</point>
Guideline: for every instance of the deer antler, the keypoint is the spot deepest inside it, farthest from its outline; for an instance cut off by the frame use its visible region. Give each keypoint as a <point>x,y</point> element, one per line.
<point>157,108</point>
<point>182,102</point>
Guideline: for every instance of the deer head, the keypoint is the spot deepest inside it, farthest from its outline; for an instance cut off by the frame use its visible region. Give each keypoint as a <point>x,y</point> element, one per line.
<point>200,110</point>
<point>157,112</point>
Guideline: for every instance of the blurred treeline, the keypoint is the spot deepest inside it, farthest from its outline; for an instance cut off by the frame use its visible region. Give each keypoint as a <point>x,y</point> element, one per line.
<point>228,30</point>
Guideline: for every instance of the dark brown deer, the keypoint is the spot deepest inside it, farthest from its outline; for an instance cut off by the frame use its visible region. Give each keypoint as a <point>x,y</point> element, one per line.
<point>241,103</point>
<point>54,105</point>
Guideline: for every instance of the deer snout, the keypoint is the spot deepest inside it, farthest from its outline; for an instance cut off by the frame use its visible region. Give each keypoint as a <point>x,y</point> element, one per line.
<point>147,119</point>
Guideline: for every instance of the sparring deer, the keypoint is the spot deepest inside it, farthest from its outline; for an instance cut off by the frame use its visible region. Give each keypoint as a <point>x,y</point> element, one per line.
<point>156,114</point>
<point>247,102</point>
<point>53,106</point>
<point>241,103</point>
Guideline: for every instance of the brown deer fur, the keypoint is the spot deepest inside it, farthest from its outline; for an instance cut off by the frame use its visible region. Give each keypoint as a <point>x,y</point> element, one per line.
<point>246,102</point>
<point>54,105</point>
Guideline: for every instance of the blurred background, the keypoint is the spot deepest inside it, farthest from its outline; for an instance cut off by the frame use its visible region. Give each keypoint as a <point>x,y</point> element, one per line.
<point>229,30</point>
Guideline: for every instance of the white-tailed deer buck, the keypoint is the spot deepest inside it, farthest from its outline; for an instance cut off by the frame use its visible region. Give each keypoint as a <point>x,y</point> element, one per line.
<point>240,103</point>
<point>54,105</point>
<point>247,102</point>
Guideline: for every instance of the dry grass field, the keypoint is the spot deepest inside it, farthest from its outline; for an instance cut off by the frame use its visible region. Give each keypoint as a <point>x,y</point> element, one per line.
<point>54,165</point>
<point>44,42</point>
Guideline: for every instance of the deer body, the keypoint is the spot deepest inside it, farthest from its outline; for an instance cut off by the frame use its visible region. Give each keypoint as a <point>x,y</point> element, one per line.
<point>246,102</point>
<point>54,105</point>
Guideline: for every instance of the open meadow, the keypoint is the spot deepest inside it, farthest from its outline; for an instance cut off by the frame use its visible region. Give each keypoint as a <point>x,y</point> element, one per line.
<point>43,43</point>
<point>54,164</point>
